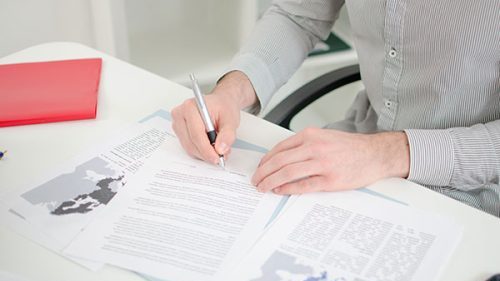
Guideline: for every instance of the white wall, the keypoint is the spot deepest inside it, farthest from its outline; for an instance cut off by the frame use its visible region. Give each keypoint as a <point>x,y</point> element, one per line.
<point>168,37</point>
<point>175,37</point>
<point>24,23</point>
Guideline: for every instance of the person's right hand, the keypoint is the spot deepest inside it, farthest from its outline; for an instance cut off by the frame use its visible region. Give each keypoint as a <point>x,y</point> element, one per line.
<point>233,93</point>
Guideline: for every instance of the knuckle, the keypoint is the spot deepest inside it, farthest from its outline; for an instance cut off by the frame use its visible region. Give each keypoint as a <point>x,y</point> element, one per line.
<point>304,135</point>
<point>192,152</point>
<point>278,161</point>
<point>206,156</point>
<point>293,188</point>
<point>205,149</point>
<point>304,184</point>
<point>313,150</point>
<point>175,113</point>
<point>309,131</point>
<point>271,168</point>
<point>288,173</point>
<point>256,177</point>
<point>190,103</point>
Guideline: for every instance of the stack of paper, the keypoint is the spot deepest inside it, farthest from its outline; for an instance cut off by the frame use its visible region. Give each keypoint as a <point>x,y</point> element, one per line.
<point>166,215</point>
<point>55,209</point>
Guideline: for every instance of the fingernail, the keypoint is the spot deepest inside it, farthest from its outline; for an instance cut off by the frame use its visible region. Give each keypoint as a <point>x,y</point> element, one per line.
<point>277,190</point>
<point>222,148</point>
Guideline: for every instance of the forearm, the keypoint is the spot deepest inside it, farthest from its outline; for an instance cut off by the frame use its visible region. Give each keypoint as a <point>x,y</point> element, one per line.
<point>281,41</point>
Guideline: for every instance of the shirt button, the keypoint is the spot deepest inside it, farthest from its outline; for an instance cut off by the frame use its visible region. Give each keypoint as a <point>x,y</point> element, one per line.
<point>388,103</point>
<point>393,53</point>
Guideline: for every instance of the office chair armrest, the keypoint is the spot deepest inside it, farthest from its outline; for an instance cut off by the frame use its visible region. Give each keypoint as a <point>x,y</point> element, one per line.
<point>283,113</point>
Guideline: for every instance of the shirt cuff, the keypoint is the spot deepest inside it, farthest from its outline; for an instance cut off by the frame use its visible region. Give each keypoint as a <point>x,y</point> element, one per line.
<point>431,156</point>
<point>476,160</point>
<point>259,75</point>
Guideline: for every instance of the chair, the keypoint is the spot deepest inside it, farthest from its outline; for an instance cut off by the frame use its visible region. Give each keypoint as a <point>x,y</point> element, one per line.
<point>284,112</point>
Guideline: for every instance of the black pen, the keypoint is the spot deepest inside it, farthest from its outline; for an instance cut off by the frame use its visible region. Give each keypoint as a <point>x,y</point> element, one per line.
<point>202,108</point>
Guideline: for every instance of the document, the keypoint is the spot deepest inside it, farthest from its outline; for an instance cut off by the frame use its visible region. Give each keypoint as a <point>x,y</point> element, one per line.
<point>350,236</point>
<point>139,202</point>
<point>62,203</point>
<point>180,218</point>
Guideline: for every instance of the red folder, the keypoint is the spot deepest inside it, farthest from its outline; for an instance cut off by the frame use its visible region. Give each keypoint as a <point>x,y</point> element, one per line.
<point>53,91</point>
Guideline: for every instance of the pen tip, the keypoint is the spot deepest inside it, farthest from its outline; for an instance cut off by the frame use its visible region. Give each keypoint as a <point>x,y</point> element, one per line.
<point>191,76</point>
<point>222,164</point>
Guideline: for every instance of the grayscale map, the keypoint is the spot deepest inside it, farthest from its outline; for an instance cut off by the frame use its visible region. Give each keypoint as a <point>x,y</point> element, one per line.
<point>282,266</point>
<point>89,186</point>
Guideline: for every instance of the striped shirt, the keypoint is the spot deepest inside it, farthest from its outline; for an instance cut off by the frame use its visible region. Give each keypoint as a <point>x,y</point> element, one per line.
<point>429,67</point>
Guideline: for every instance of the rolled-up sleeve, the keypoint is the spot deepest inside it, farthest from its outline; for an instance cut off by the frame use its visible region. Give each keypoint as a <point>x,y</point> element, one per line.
<point>281,41</point>
<point>462,157</point>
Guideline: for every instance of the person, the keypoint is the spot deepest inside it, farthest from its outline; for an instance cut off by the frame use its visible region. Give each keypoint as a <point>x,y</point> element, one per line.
<point>430,110</point>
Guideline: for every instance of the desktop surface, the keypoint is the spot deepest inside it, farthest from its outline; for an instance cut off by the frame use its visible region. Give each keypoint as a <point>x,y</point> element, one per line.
<point>127,94</point>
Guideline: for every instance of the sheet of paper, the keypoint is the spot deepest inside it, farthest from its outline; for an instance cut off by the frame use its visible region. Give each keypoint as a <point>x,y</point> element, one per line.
<point>179,218</point>
<point>350,236</point>
<point>62,203</point>
<point>22,227</point>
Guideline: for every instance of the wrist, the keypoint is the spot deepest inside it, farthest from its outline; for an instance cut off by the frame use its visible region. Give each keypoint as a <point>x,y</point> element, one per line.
<point>394,153</point>
<point>236,85</point>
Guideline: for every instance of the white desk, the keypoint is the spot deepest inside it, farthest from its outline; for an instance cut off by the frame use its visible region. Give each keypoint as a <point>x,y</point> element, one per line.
<point>128,93</point>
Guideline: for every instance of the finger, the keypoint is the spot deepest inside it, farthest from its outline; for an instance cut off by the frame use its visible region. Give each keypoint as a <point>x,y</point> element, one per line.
<point>226,125</point>
<point>180,129</point>
<point>280,160</point>
<point>306,185</point>
<point>199,138</point>
<point>286,144</point>
<point>290,173</point>
<point>228,152</point>
<point>225,138</point>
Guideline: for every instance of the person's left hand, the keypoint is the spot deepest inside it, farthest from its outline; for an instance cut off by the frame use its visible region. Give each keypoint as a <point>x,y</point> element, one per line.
<point>329,160</point>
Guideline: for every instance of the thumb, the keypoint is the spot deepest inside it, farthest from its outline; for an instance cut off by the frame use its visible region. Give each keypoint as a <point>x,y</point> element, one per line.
<point>225,138</point>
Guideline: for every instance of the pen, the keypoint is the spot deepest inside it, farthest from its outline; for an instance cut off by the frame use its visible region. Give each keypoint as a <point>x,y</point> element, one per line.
<point>202,108</point>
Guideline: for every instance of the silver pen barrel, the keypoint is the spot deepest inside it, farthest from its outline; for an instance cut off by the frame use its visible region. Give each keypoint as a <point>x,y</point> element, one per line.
<point>200,102</point>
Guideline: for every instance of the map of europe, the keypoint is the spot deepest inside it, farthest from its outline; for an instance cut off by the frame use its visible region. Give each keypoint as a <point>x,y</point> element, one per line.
<point>91,184</point>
